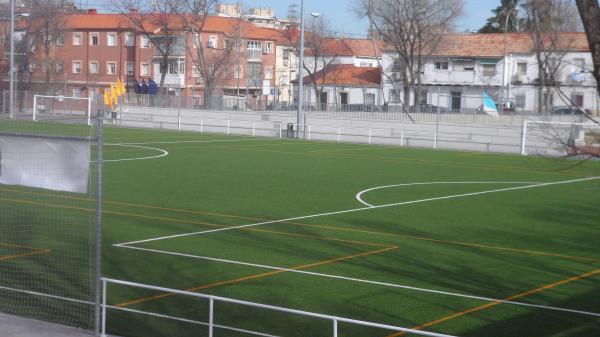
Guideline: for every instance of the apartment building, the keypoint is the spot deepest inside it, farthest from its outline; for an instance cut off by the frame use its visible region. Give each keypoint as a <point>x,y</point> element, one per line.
<point>465,66</point>
<point>94,50</point>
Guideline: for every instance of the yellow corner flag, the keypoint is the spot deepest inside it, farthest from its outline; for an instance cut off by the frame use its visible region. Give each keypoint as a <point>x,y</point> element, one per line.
<point>107,99</point>
<point>120,88</point>
<point>123,88</point>
<point>113,94</point>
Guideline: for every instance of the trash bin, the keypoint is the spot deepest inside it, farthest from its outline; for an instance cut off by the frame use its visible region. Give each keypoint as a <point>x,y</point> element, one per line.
<point>290,130</point>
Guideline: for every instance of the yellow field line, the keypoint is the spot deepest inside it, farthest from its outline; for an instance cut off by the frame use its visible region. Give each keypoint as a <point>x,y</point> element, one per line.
<point>494,303</point>
<point>36,252</point>
<point>466,244</point>
<point>255,276</point>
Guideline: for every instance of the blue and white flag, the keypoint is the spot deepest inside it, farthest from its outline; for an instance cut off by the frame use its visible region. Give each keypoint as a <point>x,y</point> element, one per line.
<point>489,105</point>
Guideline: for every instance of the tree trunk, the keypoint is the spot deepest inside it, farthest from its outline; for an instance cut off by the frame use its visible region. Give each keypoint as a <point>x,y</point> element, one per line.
<point>589,10</point>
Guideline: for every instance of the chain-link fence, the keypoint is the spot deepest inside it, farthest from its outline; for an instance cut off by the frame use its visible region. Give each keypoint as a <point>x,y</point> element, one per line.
<point>49,190</point>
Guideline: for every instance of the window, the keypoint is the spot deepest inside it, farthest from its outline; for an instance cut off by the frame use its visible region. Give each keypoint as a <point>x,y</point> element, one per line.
<point>76,67</point>
<point>440,66</point>
<point>520,101</point>
<point>129,39</point>
<point>464,65</point>
<point>130,68</point>
<point>577,99</point>
<point>144,42</point>
<point>365,65</point>
<point>176,68</point>
<point>397,65</point>
<point>60,67</point>
<point>111,68</point>
<point>268,48</point>
<point>77,38</point>
<point>522,69</point>
<point>268,73</point>
<point>578,65</point>
<point>254,50</point>
<point>94,39</point>
<point>76,93</point>
<point>238,72</point>
<point>94,67</point>
<point>145,69</point>
<point>394,96</point>
<point>32,67</point>
<point>196,71</point>
<point>285,80</point>
<point>488,70</point>
<point>60,39</point>
<point>253,73</point>
<point>111,39</point>
<point>212,41</point>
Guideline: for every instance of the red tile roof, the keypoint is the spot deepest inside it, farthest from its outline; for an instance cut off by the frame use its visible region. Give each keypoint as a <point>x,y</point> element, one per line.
<point>217,24</point>
<point>492,45</point>
<point>347,75</point>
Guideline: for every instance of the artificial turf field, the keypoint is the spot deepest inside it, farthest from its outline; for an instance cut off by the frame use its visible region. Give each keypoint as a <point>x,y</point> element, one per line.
<point>205,215</point>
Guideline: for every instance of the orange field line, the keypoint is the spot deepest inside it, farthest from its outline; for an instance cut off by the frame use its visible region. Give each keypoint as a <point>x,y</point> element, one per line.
<point>466,244</point>
<point>36,252</point>
<point>255,276</point>
<point>494,303</point>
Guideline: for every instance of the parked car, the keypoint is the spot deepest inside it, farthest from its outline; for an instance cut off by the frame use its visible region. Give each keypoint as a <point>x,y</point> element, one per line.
<point>430,108</point>
<point>566,110</point>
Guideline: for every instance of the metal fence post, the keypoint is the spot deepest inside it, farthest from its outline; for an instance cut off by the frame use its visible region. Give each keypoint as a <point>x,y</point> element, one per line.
<point>254,129</point>
<point>98,250</point>
<point>211,317</point>
<point>335,328</point>
<point>179,112</point>
<point>228,127</point>
<point>524,138</point>
<point>103,330</point>
<point>339,138</point>
<point>201,125</point>
<point>370,136</point>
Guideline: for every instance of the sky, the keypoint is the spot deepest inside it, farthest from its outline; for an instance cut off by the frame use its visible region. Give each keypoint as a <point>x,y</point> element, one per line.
<point>340,13</point>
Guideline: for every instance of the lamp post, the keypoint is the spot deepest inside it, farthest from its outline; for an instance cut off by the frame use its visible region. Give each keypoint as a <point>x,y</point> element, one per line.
<point>11,106</point>
<point>301,68</point>
<point>505,65</point>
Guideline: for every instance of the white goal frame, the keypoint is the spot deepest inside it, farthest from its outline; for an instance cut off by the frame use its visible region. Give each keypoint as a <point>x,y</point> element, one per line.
<point>526,129</point>
<point>88,99</point>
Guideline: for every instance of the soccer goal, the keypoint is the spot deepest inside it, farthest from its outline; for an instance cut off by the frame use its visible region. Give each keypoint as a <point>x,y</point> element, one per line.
<point>75,109</point>
<point>559,139</point>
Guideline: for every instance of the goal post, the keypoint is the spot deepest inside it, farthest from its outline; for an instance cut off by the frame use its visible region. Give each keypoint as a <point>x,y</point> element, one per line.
<point>559,138</point>
<point>62,107</point>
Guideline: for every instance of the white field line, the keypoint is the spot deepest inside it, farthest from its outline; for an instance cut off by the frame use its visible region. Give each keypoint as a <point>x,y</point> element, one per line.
<point>55,297</point>
<point>361,193</point>
<point>352,279</point>
<point>456,196</point>
<point>197,141</point>
<point>163,153</point>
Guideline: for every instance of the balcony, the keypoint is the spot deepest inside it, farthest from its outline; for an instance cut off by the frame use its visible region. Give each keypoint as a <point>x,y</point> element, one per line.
<point>177,81</point>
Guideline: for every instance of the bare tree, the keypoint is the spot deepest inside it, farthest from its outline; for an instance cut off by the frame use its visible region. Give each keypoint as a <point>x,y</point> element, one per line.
<point>157,23</point>
<point>45,27</point>
<point>321,52</point>
<point>211,59</point>
<point>413,29</point>
<point>547,21</point>
<point>589,11</point>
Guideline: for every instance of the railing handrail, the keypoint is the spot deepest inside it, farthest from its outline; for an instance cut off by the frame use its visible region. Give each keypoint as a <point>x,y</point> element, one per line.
<point>272,307</point>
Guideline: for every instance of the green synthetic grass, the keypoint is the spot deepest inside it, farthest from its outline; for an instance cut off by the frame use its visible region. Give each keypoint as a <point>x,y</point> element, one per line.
<point>495,245</point>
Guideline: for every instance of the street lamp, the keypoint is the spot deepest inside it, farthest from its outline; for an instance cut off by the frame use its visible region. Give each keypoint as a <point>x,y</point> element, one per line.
<point>11,106</point>
<point>510,12</point>
<point>301,67</point>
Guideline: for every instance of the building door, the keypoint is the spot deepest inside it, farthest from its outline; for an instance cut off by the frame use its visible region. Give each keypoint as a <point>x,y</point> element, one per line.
<point>323,100</point>
<point>343,98</point>
<point>456,101</point>
<point>578,100</point>
<point>370,99</point>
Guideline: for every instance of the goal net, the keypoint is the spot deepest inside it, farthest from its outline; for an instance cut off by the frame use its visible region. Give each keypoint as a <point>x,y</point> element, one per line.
<point>62,108</point>
<point>559,139</point>
<point>48,193</point>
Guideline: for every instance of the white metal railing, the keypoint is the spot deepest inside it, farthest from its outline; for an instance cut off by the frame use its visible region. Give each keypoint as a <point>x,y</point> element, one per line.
<point>62,99</point>
<point>212,299</point>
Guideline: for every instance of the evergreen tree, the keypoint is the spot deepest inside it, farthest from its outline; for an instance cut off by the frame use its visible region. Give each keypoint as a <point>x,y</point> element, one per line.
<point>497,23</point>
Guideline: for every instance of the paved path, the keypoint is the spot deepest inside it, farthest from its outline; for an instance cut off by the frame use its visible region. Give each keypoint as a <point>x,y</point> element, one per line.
<point>12,326</point>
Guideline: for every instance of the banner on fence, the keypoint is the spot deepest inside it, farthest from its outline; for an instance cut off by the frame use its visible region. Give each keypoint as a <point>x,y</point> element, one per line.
<point>53,164</point>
